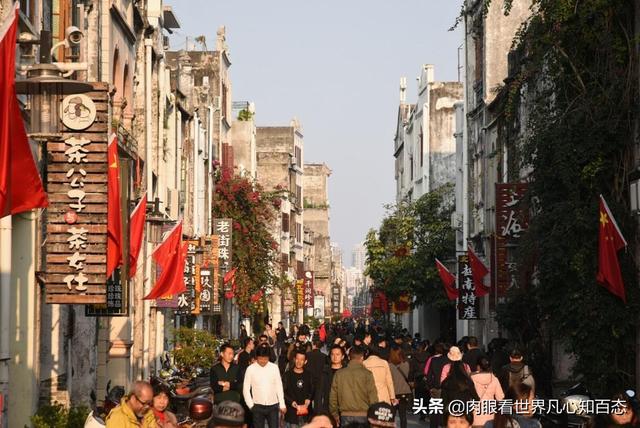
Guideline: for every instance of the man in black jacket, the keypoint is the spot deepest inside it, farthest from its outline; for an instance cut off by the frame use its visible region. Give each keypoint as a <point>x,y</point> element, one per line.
<point>225,377</point>
<point>316,360</point>
<point>472,356</point>
<point>321,400</point>
<point>298,391</point>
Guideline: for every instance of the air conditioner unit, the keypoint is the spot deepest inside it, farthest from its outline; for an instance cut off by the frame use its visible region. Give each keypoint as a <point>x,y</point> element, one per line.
<point>174,203</point>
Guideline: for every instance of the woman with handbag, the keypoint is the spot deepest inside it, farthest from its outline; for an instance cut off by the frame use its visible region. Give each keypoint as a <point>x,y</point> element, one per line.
<point>399,367</point>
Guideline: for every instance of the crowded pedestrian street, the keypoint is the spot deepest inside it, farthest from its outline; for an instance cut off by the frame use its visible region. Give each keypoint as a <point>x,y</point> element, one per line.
<point>319,214</point>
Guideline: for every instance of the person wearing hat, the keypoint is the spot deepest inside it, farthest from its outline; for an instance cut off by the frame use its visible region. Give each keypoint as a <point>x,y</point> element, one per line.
<point>381,415</point>
<point>227,414</point>
<point>454,355</point>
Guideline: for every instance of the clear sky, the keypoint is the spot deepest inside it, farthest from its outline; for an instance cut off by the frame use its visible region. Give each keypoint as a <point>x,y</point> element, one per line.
<point>336,66</point>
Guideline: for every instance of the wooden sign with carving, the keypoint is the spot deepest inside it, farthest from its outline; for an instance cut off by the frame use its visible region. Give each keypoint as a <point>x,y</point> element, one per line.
<point>76,224</point>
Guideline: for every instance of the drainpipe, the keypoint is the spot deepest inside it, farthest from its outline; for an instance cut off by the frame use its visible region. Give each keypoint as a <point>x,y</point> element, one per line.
<point>142,306</point>
<point>196,177</point>
<point>5,308</point>
<point>210,169</point>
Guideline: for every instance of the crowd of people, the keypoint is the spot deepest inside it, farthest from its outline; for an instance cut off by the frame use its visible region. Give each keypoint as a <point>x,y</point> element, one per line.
<point>353,376</point>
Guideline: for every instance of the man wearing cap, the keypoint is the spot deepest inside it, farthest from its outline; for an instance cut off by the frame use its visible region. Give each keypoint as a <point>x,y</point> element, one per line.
<point>227,414</point>
<point>353,390</point>
<point>381,415</point>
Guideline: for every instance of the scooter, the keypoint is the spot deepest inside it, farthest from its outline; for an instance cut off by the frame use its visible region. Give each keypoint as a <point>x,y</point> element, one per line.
<point>96,418</point>
<point>573,402</point>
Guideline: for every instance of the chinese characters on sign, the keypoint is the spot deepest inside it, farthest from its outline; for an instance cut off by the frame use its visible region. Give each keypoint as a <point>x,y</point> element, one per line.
<point>117,301</point>
<point>468,304</point>
<point>300,293</point>
<point>76,235</point>
<point>511,222</point>
<point>335,299</point>
<point>308,290</point>
<point>222,229</point>
<point>187,300</point>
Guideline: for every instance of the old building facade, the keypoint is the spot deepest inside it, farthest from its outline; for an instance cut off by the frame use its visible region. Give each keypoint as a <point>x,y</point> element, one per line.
<point>424,151</point>
<point>316,205</point>
<point>280,167</point>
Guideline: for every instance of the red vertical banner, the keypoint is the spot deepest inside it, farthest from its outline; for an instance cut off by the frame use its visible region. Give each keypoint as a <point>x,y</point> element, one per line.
<point>512,220</point>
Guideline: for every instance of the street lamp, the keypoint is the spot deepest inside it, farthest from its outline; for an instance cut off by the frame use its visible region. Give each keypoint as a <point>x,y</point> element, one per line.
<point>45,85</point>
<point>46,82</point>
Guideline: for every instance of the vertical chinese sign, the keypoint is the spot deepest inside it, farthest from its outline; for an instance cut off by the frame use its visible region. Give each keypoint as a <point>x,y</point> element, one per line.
<point>187,300</point>
<point>216,307</point>
<point>308,290</point>
<point>468,304</point>
<point>76,234</point>
<point>299,293</point>
<point>335,299</point>
<point>512,220</point>
<point>117,300</point>
<point>222,228</point>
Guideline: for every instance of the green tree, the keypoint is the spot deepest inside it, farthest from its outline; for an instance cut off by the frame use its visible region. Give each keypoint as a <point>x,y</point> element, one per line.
<point>194,348</point>
<point>401,253</point>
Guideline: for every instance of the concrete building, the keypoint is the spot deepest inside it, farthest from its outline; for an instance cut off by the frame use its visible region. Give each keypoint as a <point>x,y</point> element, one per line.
<point>424,151</point>
<point>316,220</point>
<point>353,281</point>
<point>338,290</point>
<point>359,257</point>
<point>243,138</point>
<point>280,166</point>
<point>488,42</point>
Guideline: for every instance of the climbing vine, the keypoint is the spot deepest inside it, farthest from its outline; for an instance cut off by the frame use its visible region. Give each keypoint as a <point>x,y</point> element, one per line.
<point>255,252</point>
<point>578,86</point>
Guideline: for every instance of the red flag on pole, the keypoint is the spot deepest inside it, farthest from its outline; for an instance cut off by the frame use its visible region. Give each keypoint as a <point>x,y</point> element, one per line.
<point>478,271</point>
<point>20,184</point>
<point>114,227</point>
<point>610,242</point>
<point>170,255</point>
<point>448,279</point>
<point>136,231</point>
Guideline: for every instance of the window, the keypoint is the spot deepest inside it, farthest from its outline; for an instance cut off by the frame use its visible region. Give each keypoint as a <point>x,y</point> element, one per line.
<point>298,152</point>
<point>285,222</point>
<point>411,170</point>
<point>299,196</point>
<point>298,232</point>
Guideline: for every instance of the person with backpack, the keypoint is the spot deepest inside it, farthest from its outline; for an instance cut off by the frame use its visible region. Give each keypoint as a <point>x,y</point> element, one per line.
<point>487,387</point>
<point>399,367</point>
<point>516,372</point>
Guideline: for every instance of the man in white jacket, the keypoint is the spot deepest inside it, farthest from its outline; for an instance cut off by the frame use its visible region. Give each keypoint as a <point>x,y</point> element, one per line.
<point>262,390</point>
